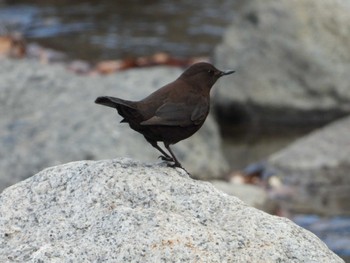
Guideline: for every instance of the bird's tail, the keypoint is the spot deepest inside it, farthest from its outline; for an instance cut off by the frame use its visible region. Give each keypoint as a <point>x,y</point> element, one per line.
<point>114,102</point>
<point>127,109</point>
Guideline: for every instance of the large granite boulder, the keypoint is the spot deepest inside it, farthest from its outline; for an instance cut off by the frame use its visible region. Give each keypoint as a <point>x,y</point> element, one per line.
<point>292,60</point>
<point>124,211</point>
<point>316,169</point>
<point>48,117</point>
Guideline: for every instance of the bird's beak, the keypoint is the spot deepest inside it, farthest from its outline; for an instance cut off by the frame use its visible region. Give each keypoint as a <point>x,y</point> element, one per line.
<point>226,72</point>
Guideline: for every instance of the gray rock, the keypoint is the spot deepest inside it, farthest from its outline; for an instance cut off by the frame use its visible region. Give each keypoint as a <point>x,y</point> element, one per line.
<point>49,117</point>
<point>292,60</point>
<point>124,211</point>
<point>250,194</point>
<point>317,168</point>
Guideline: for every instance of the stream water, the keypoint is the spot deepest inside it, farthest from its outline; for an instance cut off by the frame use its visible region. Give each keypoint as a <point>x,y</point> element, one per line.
<point>97,30</point>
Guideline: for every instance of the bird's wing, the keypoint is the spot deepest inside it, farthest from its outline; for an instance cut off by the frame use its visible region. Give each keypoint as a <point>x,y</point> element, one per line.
<point>178,114</point>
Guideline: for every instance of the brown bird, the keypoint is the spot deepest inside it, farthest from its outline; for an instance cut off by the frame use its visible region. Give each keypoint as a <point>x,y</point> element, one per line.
<point>173,112</point>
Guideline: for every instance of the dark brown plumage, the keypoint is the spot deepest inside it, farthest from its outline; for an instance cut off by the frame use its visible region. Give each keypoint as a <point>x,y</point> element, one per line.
<point>173,112</point>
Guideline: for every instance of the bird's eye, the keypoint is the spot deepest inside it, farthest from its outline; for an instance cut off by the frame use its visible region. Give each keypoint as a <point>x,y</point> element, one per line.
<point>211,72</point>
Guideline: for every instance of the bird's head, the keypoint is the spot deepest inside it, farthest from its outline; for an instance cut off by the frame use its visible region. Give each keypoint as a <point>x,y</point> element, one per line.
<point>203,74</point>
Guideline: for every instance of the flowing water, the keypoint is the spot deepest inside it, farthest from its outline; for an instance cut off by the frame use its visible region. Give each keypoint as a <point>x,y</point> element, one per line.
<point>96,30</point>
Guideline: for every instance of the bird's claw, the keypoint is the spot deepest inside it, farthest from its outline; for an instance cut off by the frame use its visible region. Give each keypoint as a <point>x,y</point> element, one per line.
<point>174,165</point>
<point>165,158</point>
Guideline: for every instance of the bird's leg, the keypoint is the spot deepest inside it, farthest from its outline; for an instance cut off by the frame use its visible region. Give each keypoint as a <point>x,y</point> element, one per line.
<point>177,163</point>
<point>164,156</point>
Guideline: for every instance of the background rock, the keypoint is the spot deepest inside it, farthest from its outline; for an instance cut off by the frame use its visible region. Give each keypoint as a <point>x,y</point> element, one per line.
<point>122,211</point>
<point>48,117</point>
<point>292,60</point>
<point>317,168</point>
<point>252,195</point>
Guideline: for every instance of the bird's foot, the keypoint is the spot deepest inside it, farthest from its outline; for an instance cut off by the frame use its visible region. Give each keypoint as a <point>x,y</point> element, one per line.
<point>175,165</point>
<point>178,165</point>
<point>166,158</point>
